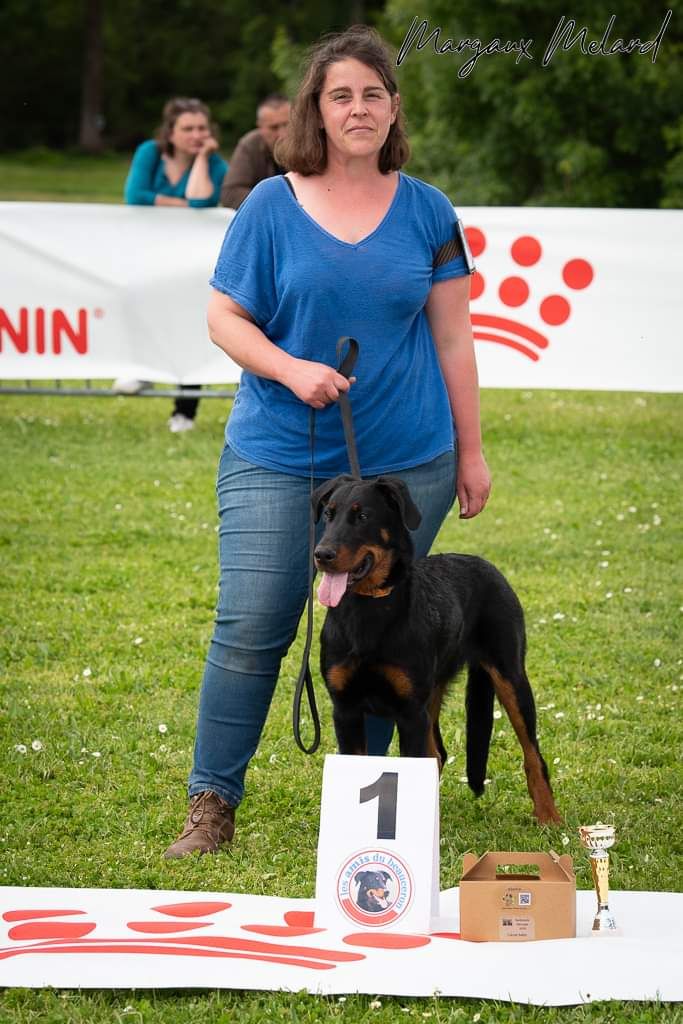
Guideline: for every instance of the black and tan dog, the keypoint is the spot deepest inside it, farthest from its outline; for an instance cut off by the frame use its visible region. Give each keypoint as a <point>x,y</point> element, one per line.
<point>398,630</point>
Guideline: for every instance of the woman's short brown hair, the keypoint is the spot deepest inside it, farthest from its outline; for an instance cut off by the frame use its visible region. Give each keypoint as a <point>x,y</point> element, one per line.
<point>304,147</point>
<point>170,114</point>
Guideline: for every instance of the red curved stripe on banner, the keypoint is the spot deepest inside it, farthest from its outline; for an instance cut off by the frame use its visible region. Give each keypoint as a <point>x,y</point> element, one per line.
<point>446,935</point>
<point>387,940</point>
<point>132,947</point>
<point>218,942</point>
<point>31,915</point>
<point>512,326</point>
<point>300,918</point>
<point>194,909</point>
<point>358,915</point>
<point>163,927</point>
<point>280,929</point>
<point>518,347</point>
<point>51,930</point>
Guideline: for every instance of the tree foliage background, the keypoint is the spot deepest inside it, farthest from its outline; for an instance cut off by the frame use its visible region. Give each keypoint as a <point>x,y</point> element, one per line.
<point>582,131</point>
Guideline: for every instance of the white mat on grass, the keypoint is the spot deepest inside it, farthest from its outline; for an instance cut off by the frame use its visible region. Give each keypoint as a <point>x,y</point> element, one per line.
<point>123,938</point>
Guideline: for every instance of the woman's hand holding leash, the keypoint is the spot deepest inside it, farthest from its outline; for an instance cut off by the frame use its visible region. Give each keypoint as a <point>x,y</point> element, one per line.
<point>316,384</point>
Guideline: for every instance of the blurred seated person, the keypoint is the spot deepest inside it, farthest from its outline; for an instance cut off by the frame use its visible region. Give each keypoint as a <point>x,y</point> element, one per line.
<point>181,166</point>
<point>253,158</point>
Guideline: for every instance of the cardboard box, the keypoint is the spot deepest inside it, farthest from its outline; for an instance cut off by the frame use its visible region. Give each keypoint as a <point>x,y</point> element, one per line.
<point>538,901</point>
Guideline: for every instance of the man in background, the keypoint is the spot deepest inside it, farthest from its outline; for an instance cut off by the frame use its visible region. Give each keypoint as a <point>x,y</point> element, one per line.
<point>253,158</point>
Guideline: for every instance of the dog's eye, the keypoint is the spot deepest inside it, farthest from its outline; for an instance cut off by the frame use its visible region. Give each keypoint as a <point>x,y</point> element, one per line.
<point>362,517</point>
<point>328,514</point>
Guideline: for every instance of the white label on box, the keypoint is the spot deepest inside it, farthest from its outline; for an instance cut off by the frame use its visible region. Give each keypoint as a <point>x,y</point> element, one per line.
<point>516,926</point>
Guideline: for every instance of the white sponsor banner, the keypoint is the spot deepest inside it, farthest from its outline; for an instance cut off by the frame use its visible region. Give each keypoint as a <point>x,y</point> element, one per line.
<point>95,291</point>
<point>562,298</point>
<point>124,938</point>
<point>577,298</point>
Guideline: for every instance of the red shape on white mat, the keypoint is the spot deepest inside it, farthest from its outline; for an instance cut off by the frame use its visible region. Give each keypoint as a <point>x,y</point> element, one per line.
<point>31,915</point>
<point>51,930</point>
<point>281,930</point>
<point>164,927</point>
<point>387,940</point>
<point>196,908</point>
<point>301,918</point>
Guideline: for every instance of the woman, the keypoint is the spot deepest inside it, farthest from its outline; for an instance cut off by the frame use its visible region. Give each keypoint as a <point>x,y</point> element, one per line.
<point>180,167</point>
<point>344,244</point>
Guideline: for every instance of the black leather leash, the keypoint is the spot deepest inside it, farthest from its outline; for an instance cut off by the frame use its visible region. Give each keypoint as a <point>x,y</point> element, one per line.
<point>305,679</point>
<point>346,368</point>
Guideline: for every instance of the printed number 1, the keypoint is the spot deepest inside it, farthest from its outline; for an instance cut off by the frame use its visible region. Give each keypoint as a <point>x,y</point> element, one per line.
<point>385,788</point>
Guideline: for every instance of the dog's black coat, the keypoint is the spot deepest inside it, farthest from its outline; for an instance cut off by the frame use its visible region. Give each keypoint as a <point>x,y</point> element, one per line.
<point>404,629</point>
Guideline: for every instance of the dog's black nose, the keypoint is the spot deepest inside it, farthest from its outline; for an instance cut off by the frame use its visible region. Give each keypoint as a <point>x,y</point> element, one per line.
<point>324,555</point>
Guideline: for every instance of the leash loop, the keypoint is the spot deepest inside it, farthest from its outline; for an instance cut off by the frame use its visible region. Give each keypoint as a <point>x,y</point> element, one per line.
<point>305,680</point>
<point>347,364</point>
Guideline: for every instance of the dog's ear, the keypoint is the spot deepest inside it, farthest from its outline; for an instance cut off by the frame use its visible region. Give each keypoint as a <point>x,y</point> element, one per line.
<point>397,494</point>
<point>359,876</point>
<point>386,874</point>
<point>321,495</point>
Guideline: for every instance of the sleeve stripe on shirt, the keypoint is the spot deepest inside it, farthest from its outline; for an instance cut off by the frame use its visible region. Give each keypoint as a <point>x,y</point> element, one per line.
<point>447,252</point>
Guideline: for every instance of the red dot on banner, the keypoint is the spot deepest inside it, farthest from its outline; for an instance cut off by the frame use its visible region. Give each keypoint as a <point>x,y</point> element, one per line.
<point>477,285</point>
<point>577,273</point>
<point>476,240</point>
<point>513,291</point>
<point>555,310</point>
<point>526,250</point>
<point>387,940</point>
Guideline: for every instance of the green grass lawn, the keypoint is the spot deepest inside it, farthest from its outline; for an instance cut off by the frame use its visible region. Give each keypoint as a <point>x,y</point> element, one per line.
<point>43,175</point>
<point>108,575</point>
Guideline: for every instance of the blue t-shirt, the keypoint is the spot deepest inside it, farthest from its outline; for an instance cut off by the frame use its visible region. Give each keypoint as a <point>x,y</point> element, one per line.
<point>147,178</point>
<point>305,288</point>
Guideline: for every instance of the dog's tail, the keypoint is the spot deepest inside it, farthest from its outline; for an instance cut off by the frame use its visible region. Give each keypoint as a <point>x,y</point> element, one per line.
<point>479,706</point>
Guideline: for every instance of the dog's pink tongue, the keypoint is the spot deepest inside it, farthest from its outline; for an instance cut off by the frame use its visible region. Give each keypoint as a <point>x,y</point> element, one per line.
<point>332,588</point>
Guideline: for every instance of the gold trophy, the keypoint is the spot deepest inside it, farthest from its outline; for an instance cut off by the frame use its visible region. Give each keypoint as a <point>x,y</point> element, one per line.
<point>598,839</point>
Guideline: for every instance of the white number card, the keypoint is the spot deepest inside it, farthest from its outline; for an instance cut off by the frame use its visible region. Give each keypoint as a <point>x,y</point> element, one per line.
<point>378,849</point>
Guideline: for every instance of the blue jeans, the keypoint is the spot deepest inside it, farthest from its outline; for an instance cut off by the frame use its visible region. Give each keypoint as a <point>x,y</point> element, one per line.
<point>263,543</point>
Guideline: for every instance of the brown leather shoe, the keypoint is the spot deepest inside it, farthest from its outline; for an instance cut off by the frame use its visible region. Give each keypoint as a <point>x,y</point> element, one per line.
<point>210,824</point>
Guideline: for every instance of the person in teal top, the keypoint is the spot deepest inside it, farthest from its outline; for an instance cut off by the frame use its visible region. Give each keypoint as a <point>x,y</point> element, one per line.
<point>181,166</point>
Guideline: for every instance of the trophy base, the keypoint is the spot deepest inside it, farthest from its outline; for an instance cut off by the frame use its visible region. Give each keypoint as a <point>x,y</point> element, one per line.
<point>604,924</point>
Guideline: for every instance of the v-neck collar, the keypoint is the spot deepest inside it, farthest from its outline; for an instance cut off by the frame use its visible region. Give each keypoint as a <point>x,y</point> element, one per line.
<point>340,241</point>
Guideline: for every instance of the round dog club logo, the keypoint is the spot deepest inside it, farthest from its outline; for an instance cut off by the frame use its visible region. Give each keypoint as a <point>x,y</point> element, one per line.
<point>374,888</point>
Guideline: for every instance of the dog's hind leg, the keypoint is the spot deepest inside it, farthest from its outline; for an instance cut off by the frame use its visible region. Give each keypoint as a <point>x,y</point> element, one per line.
<point>515,695</point>
<point>434,740</point>
<point>479,723</point>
